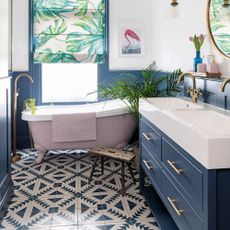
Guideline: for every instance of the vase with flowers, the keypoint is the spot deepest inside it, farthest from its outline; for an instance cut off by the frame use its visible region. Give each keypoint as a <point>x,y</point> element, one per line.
<point>198,42</point>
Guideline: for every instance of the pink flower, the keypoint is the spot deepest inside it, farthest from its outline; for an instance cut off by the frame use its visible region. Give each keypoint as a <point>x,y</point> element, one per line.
<point>201,38</point>
<point>197,40</point>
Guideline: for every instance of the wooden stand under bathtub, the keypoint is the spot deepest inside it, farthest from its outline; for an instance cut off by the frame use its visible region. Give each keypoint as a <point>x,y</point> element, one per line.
<point>124,157</point>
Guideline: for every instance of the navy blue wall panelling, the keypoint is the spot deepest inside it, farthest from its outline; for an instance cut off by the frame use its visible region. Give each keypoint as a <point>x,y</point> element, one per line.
<point>211,91</point>
<point>27,91</point>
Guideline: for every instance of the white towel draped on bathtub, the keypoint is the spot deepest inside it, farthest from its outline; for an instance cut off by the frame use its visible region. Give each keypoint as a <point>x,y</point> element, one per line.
<point>74,127</point>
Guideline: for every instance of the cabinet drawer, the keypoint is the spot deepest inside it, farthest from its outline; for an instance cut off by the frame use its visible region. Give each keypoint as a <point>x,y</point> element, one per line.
<point>185,173</point>
<point>151,139</point>
<point>182,213</point>
<point>151,167</point>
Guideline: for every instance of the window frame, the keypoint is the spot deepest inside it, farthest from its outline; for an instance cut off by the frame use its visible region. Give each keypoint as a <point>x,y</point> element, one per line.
<point>35,69</point>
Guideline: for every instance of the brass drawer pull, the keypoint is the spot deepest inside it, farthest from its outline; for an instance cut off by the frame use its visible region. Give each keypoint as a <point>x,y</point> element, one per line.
<point>172,202</point>
<point>172,164</point>
<point>147,165</point>
<point>147,137</point>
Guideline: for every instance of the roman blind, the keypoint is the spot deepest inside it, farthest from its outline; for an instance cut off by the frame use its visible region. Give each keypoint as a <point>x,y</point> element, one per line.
<point>69,31</point>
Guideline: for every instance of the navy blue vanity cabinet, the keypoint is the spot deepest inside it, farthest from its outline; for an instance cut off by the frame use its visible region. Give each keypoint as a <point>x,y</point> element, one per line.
<point>181,192</point>
<point>151,139</point>
<point>151,174</point>
<point>184,172</point>
<point>6,184</point>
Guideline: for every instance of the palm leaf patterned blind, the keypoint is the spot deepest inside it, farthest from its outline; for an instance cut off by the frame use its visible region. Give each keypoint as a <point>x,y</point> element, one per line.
<point>69,31</point>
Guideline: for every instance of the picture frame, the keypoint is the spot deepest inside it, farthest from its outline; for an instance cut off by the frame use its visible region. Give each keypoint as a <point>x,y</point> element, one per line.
<point>130,39</point>
<point>118,24</point>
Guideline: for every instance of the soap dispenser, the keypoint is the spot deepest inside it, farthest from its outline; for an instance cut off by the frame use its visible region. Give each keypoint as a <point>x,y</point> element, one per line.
<point>214,67</point>
<point>202,67</point>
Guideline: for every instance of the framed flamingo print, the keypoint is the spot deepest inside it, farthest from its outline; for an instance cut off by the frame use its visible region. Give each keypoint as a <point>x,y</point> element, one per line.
<point>130,35</point>
<point>130,40</point>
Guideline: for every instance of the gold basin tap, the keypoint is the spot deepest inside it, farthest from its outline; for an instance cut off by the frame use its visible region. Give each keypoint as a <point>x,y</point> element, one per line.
<point>224,83</point>
<point>194,92</point>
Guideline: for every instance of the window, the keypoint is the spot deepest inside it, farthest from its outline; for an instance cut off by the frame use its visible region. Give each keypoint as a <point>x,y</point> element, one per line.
<point>69,83</point>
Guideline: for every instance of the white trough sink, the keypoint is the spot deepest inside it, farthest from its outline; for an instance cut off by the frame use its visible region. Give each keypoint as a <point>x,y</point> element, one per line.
<point>207,122</point>
<point>202,130</point>
<point>168,103</point>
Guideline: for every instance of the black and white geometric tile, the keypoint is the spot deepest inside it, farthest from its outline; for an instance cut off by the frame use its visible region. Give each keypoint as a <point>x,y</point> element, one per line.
<point>56,195</point>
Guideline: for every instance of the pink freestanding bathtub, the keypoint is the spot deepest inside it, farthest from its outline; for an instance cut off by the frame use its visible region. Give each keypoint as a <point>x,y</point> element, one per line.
<point>114,125</point>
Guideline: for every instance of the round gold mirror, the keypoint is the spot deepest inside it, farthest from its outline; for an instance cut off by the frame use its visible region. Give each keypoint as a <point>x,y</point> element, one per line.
<point>218,16</point>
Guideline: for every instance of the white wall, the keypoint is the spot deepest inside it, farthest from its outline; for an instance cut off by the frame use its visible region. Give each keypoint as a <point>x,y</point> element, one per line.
<point>171,46</point>
<point>20,35</point>
<point>10,35</point>
<point>166,40</point>
<point>4,35</point>
<point>134,12</point>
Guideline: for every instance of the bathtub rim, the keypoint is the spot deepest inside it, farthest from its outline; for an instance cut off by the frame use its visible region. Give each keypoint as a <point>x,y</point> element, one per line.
<point>121,109</point>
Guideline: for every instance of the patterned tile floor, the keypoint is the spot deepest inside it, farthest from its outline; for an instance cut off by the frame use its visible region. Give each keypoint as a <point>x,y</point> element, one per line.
<point>56,195</point>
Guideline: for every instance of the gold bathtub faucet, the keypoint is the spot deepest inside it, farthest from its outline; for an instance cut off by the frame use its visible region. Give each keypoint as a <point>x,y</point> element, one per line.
<point>224,83</point>
<point>194,92</point>
<point>16,157</point>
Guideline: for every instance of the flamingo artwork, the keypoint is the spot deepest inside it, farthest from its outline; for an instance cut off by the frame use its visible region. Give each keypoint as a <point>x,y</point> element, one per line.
<point>131,42</point>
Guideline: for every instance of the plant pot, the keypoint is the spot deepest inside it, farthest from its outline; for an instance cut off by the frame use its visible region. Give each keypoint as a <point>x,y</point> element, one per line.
<point>136,151</point>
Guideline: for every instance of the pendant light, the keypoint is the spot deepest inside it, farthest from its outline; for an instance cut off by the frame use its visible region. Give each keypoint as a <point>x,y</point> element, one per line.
<point>174,10</point>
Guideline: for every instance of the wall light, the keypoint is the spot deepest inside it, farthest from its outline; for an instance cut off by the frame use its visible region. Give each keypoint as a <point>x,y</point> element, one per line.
<point>174,10</point>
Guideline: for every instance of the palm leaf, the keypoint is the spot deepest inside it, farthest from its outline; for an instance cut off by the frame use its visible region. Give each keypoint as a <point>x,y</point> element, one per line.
<point>129,88</point>
<point>51,9</point>
<point>172,86</point>
<point>82,9</point>
<point>77,43</point>
<point>47,56</point>
<point>57,28</point>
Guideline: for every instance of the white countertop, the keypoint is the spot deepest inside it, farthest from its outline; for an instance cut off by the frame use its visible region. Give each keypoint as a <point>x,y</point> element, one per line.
<point>200,129</point>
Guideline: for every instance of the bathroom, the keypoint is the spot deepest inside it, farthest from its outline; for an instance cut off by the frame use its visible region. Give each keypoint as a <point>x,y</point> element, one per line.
<point>72,72</point>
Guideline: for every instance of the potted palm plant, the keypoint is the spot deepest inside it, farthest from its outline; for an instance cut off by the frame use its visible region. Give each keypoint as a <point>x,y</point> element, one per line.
<point>129,88</point>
